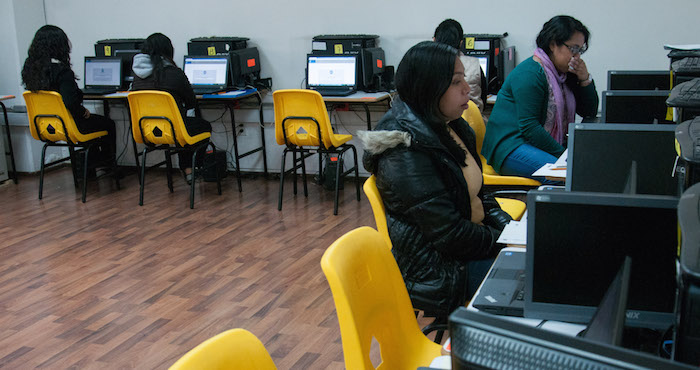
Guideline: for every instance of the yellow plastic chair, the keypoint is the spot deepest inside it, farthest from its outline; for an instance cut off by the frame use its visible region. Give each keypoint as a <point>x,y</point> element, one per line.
<point>50,122</point>
<point>156,122</point>
<point>375,200</point>
<point>233,349</point>
<point>303,127</point>
<point>491,178</point>
<point>371,301</point>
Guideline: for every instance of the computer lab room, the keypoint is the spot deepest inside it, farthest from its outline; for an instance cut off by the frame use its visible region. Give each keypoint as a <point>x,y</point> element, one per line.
<point>349,185</point>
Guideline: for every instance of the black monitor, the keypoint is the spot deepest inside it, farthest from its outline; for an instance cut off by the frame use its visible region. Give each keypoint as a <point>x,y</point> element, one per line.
<point>127,57</point>
<point>639,80</point>
<point>600,157</point>
<point>576,242</point>
<point>245,66</point>
<point>372,68</point>
<point>609,319</point>
<point>483,341</point>
<point>635,106</point>
<point>484,63</point>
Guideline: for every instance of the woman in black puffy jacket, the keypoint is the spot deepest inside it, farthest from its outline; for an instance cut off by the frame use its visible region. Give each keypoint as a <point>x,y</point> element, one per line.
<point>442,227</point>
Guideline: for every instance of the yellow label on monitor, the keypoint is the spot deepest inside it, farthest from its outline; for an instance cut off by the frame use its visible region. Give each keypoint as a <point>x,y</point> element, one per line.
<point>339,48</point>
<point>211,50</point>
<point>469,43</point>
<point>108,51</point>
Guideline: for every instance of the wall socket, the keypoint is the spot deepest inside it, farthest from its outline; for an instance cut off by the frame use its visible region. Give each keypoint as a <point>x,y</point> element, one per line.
<point>240,130</point>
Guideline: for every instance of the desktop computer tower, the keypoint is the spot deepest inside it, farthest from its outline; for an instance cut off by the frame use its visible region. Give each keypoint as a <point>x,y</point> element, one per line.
<point>489,47</point>
<point>342,44</point>
<point>688,150</point>
<point>215,45</point>
<point>108,48</point>
<point>214,162</point>
<point>687,335</point>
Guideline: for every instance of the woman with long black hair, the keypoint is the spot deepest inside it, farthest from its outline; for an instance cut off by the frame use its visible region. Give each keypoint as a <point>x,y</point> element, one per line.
<point>48,67</point>
<point>155,69</point>
<point>443,229</point>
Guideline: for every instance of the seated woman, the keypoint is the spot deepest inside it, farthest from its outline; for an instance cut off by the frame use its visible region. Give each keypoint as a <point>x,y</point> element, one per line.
<point>442,228</point>
<point>529,123</point>
<point>155,69</point>
<point>48,67</point>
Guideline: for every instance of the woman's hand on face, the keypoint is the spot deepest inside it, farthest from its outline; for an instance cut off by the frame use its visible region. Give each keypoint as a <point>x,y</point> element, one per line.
<point>578,67</point>
<point>86,115</point>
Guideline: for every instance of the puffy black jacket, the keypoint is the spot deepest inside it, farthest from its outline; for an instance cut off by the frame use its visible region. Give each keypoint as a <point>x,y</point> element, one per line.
<point>428,207</point>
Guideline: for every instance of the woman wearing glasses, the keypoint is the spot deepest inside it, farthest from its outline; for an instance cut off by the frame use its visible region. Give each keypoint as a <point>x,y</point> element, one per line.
<point>528,125</point>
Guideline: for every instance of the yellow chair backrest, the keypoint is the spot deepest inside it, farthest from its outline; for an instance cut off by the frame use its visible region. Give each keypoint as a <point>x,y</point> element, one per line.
<point>166,127</point>
<point>375,200</point>
<point>473,116</point>
<point>371,301</point>
<point>302,132</point>
<point>232,349</point>
<point>44,109</point>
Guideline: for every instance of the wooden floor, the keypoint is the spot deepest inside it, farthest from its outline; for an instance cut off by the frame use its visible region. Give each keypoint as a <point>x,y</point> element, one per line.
<point>109,284</point>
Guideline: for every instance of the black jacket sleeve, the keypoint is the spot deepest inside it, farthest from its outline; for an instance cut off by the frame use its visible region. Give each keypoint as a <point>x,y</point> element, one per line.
<point>586,97</point>
<point>417,194</point>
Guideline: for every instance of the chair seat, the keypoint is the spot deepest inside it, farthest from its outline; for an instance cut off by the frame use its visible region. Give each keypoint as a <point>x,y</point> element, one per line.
<point>515,208</point>
<point>509,180</point>
<point>92,136</point>
<point>340,139</point>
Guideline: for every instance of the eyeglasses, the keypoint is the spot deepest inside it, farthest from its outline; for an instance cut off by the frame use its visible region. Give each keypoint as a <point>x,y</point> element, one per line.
<point>577,49</point>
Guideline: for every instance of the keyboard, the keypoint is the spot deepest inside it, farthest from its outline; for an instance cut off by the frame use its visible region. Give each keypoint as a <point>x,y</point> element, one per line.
<point>98,91</point>
<point>207,90</point>
<point>685,95</point>
<point>335,92</point>
<point>689,65</point>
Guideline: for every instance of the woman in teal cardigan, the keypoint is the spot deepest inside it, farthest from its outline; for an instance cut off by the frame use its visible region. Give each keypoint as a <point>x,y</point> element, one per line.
<point>528,125</point>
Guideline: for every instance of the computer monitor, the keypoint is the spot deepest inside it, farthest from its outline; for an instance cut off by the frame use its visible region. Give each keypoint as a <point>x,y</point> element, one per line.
<point>484,63</point>
<point>207,71</point>
<point>372,68</point>
<point>484,341</point>
<point>629,106</point>
<point>127,57</point>
<point>245,66</point>
<point>639,80</point>
<point>331,71</point>
<point>600,157</point>
<point>576,242</point>
<point>103,71</point>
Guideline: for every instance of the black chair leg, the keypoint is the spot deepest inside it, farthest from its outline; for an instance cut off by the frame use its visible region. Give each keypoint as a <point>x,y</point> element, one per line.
<point>73,165</point>
<point>303,173</point>
<point>357,173</point>
<point>338,170</point>
<point>294,168</point>
<point>41,171</point>
<point>143,175</point>
<point>169,166</point>
<point>216,171</point>
<point>85,171</point>
<point>194,175</point>
<point>284,157</point>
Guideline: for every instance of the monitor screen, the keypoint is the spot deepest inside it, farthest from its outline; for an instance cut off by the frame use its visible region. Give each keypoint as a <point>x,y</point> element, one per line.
<point>331,70</point>
<point>484,63</point>
<point>601,155</point>
<point>628,106</point>
<point>576,242</point>
<point>202,71</point>
<point>103,71</point>
<point>639,80</point>
<point>483,341</point>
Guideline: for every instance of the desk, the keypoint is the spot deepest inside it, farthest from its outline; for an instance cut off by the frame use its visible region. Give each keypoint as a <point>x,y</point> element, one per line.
<point>228,99</point>
<point>9,138</point>
<point>362,98</point>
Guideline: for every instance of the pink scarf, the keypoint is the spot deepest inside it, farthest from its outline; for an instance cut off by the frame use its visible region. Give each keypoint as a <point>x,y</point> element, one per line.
<point>563,97</point>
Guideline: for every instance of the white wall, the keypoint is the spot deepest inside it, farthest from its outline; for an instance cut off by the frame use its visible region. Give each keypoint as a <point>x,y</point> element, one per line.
<point>624,34</point>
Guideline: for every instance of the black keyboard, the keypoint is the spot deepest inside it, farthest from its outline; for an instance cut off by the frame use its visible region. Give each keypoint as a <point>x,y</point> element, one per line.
<point>203,91</point>
<point>98,91</point>
<point>686,95</point>
<point>687,65</point>
<point>335,92</point>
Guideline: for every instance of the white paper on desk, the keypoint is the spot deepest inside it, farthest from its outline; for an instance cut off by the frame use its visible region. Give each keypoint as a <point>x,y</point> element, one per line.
<point>561,161</point>
<point>551,170</point>
<point>442,362</point>
<point>515,233</point>
<point>682,47</point>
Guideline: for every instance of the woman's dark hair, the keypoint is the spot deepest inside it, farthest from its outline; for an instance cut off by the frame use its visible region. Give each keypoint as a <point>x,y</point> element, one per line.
<point>422,78</point>
<point>449,32</point>
<point>160,49</point>
<point>560,29</point>
<point>50,42</point>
